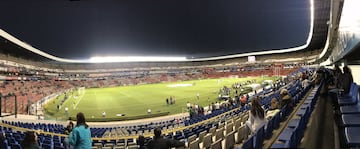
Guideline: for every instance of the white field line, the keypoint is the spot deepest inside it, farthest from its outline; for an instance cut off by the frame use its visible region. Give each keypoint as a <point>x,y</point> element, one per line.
<point>80,98</point>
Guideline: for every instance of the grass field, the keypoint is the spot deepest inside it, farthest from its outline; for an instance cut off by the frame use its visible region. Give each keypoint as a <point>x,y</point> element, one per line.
<point>135,100</point>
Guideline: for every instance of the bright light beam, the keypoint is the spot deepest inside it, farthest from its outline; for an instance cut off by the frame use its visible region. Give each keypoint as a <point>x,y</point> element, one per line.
<point>108,59</point>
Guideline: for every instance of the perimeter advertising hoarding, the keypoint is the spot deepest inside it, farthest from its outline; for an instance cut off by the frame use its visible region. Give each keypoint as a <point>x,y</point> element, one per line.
<point>251,59</point>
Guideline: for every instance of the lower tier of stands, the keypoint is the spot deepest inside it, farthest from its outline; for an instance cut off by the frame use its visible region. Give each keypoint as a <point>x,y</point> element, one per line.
<point>223,129</point>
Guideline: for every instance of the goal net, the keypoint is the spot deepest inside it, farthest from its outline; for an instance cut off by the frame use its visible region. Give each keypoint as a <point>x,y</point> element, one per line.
<point>79,92</point>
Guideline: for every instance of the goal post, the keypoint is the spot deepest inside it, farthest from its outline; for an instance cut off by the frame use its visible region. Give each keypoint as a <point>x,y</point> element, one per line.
<point>81,90</point>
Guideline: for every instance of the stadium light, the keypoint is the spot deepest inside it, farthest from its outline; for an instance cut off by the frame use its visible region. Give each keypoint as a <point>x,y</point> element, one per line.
<point>108,59</point>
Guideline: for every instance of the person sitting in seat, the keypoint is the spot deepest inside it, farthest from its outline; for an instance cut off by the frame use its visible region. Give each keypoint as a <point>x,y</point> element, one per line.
<point>30,141</point>
<point>159,142</point>
<point>274,108</point>
<point>274,104</point>
<point>285,98</point>
<point>141,142</point>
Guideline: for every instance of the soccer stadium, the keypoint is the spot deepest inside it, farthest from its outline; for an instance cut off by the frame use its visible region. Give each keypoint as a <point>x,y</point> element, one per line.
<point>77,74</point>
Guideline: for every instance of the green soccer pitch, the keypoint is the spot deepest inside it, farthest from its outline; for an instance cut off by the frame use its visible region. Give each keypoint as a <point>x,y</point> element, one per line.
<point>134,101</point>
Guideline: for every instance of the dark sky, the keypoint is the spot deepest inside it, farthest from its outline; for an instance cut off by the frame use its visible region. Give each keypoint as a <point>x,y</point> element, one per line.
<point>192,28</point>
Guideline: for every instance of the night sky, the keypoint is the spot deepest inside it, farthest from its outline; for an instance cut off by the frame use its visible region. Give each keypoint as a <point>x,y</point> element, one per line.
<point>192,28</point>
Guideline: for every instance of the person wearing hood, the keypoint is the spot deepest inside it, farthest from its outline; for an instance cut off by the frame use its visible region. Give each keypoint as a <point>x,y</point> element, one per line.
<point>285,98</point>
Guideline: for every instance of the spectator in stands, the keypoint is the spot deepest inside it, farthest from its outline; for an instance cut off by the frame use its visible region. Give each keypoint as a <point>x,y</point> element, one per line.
<point>141,142</point>
<point>80,136</point>
<point>285,98</point>
<point>30,141</point>
<point>274,108</point>
<point>337,76</point>
<point>305,83</point>
<point>346,79</point>
<point>256,116</point>
<point>274,104</point>
<point>159,142</point>
<point>243,100</point>
<point>69,128</point>
<point>2,141</point>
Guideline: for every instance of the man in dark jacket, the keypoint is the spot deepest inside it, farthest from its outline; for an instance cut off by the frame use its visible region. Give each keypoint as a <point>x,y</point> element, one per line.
<point>159,142</point>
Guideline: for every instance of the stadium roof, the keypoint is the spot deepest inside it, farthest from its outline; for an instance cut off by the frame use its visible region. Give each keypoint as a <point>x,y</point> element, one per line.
<point>316,40</point>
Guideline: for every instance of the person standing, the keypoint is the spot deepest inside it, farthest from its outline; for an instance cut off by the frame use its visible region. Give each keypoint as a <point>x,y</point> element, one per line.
<point>80,136</point>
<point>346,79</point>
<point>256,116</point>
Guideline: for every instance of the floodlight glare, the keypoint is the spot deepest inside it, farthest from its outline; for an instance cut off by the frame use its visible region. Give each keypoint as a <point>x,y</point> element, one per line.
<point>350,17</point>
<point>109,59</point>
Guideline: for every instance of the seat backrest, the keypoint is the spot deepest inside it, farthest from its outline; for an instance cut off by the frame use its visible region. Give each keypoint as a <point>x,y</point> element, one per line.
<point>191,138</point>
<point>221,125</point>
<point>119,147</point>
<point>241,133</point>
<point>133,147</point>
<point>108,145</point>
<point>131,143</point>
<point>259,138</point>
<point>194,144</point>
<point>229,128</point>
<point>249,143</point>
<point>207,140</point>
<point>212,130</point>
<point>230,140</point>
<point>216,144</point>
<point>237,124</point>
<point>99,145</point>
<point>201,135</point>
<point>219,134</point>
<point>245,118</point>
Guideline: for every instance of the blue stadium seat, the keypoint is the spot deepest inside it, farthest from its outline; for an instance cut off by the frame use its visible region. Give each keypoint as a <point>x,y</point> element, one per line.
<point>351,98</point>
<point>269,128</point>
<point>278,145</point>
<point>15,146</point>
<point>288,137</point>
<point>351,109</point>
<point>352,135</point>
<point>249,143</point>
<point>259,138</point>
<point>351,120</point>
